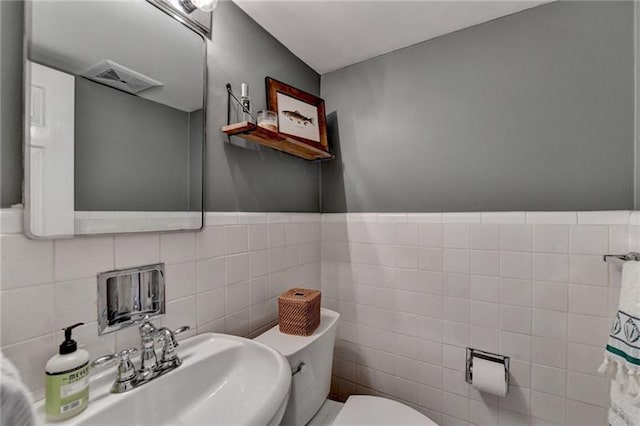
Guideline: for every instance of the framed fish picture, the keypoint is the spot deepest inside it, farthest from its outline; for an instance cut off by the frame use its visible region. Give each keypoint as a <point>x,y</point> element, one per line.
<point>301,115</point>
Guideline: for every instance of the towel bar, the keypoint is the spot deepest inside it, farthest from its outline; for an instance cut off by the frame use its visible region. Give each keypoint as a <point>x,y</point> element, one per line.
<point>619,259</point>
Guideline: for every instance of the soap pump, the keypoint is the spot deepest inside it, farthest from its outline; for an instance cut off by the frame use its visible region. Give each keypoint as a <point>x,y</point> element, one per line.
<point>67,379</point>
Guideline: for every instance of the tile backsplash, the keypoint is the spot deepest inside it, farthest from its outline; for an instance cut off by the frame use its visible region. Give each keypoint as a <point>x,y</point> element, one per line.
<point>414,290</point>
<point>223,279</point>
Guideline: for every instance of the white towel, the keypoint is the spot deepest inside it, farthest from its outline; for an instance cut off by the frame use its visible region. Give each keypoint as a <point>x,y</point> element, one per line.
<point>622,411</point>
<point>16,408</point>
<point>622,353</point>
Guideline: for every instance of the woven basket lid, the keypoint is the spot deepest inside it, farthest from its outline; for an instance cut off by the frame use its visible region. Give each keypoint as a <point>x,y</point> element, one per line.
<point>300,294</point>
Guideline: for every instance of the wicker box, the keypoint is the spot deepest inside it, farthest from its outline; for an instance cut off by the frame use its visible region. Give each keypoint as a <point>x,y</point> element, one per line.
<point>299,311</point>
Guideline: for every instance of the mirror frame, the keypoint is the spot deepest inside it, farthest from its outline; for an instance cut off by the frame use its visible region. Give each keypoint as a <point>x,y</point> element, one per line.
<point>26,82</point>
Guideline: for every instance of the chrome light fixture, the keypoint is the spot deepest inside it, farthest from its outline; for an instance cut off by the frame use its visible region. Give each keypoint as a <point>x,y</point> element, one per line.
<point>195,14</point>
<point>190,6</point>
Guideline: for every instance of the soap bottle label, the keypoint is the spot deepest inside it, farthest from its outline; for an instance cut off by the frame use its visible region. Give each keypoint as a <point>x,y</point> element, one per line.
<point>70,406</point>
<point>67,392</point>
<point>74,387</point>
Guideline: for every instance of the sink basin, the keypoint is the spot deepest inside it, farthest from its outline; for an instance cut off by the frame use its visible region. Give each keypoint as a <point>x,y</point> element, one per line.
<point>223,379</point>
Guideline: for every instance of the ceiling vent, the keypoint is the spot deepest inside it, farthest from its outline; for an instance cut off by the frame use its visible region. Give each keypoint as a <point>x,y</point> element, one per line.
<point>118,76</point>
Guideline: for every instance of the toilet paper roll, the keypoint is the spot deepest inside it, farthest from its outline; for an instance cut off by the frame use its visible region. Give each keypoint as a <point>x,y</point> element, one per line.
<point>489,377</point>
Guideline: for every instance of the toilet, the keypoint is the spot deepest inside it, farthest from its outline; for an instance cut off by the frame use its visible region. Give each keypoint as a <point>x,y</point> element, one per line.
<point>310,359</point>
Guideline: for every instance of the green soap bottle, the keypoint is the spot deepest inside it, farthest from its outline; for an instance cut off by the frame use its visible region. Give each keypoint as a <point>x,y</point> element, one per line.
<point>67,380</point>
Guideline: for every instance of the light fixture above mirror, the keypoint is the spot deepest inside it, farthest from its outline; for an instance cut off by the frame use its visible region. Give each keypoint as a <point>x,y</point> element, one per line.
<point>190,6</point>
<point>196,14</point>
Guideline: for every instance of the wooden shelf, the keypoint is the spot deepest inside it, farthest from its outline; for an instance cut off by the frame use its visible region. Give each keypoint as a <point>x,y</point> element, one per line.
<point>275,140</point>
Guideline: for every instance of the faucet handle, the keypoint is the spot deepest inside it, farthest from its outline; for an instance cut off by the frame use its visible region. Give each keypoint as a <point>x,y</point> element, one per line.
<point>104,360</point>
<point>170,342</point>
<point>126,371</point>
<point>127,374</point>
<point>181,330</point>
<point>174,333</point>
<point>127,352</point>
<point>111,358</point>
<point>170,359</point>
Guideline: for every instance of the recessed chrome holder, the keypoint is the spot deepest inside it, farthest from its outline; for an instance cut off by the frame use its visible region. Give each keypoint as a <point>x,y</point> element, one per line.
<point>502,359</point>
<point>128,296</point>
<point>619,259</point>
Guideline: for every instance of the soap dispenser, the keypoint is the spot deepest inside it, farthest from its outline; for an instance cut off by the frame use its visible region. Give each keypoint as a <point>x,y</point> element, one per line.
<point>67,380</point>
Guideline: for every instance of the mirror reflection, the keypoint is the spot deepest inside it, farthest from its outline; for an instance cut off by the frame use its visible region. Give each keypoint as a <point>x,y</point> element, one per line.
<point>115,96</point>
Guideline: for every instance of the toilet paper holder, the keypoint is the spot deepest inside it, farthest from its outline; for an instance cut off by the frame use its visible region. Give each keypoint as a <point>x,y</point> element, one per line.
<point>502,359</point>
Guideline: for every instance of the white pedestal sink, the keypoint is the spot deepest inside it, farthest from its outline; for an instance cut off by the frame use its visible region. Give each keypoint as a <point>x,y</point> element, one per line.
<point>224,380</point>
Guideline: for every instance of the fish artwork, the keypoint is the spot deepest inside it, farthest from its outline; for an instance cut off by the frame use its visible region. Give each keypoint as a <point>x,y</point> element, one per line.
<point>298,118</point>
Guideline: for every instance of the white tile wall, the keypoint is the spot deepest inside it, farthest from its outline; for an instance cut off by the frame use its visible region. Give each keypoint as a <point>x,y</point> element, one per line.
<point>531,285</point>
<point>413,289</point>
<point>223,279</point>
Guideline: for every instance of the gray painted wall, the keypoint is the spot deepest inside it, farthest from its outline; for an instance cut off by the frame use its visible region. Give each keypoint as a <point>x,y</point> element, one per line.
<point>637,105</point>
<point>239,176</point>
<point>533,111</point>
<point>11,24</point>
<point>530,112</point>
<point>195,160</point>
<point>131,154</point>
<point>243,176</point>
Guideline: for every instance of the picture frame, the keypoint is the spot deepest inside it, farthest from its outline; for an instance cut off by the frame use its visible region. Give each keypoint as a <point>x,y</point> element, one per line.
<point>301,115</point>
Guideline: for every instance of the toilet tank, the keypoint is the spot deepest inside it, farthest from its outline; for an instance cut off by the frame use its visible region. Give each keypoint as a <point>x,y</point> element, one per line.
<point>310,359</point>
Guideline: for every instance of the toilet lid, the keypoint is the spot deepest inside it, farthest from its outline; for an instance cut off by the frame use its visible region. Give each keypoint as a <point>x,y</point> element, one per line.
<point>374,410</point>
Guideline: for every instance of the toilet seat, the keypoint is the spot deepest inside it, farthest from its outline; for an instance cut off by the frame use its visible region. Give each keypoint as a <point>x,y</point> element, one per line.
<point>374,410</point>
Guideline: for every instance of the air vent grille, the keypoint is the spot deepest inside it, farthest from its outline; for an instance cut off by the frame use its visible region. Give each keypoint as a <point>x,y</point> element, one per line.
<point>110,74</point>
<point>118,76</point>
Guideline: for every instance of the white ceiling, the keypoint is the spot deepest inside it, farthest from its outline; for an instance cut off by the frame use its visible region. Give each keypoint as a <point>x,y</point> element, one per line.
<point>331,34</point>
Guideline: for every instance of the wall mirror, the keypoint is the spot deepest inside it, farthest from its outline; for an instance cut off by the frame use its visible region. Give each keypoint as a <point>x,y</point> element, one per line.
<point>115,97</point>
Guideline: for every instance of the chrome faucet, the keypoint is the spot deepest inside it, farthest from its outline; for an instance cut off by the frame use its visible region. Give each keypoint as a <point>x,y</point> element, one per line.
<point>127,376</point>
<point>148,358</point>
